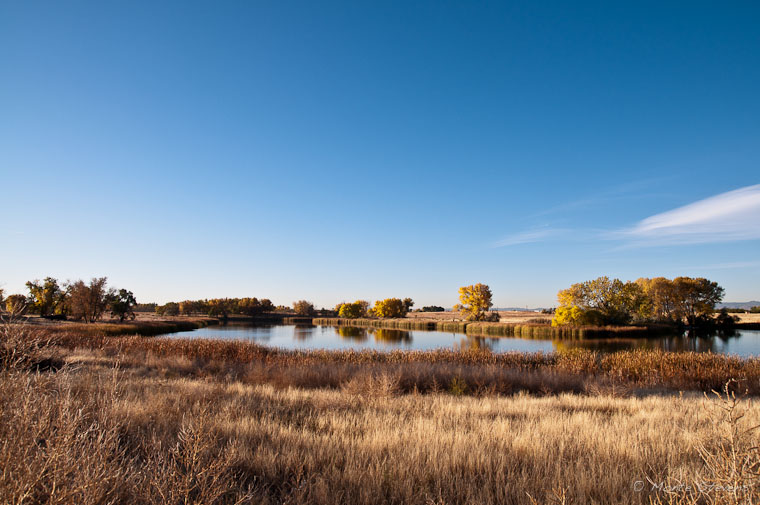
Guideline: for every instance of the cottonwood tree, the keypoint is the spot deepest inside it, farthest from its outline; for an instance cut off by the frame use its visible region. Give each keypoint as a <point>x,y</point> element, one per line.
<point>360,308</point>
<point>267,305</point>
<point>392,307</point>
<point>123,305</point>
<point>47,297</point>
<point>168,309</point>
<point>88,302</point>
<point>188,307</point>
<point>474,302</point>
<point>697,298</point>
<point>16,305</point>
<point>250,306</point>
<point>408,304</point>
<point>600,301</point>
<point>661,299</point>
<point>219,307</point>
<point>612,301</point>
<point>432,308</point>
<point>303,308</point>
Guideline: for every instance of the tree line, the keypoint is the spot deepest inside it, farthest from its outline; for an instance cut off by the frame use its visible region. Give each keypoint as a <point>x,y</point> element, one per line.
<point>77,300</point>
<point>475,302</point>
<point>225,307</point>
<point>599,302</point>
<point>388,308</point>
<point>605,301</point>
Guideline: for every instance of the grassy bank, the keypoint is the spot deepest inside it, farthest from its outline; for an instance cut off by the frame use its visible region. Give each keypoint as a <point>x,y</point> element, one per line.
<point>138,327</point>
<point>522,330</point>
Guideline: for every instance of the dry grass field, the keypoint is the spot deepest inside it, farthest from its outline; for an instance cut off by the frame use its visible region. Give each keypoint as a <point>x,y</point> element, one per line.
<point>148,421</point>
<point>748,318</point>
<point>94,434</point>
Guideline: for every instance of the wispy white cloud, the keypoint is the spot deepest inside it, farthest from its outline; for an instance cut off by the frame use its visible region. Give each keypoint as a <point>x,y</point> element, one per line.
<point>727,217</point>
<point>730,216</point>
<point>528,236</point>
<point>639,189</point>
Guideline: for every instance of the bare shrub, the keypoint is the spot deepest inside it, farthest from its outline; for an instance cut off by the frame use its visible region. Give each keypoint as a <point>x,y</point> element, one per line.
<point>730,456</point>
<point>55,449</point>
<point>373,385</point>
<point>22,347</point>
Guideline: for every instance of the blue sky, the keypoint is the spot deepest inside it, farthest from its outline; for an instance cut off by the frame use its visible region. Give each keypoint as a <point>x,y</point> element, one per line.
<point>342,150</point>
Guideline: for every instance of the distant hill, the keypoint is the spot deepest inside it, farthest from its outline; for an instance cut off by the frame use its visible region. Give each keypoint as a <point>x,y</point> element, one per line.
<point>739,305</point>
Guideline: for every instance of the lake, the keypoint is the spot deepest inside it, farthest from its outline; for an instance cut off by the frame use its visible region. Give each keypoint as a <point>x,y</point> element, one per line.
<point>741,342</point>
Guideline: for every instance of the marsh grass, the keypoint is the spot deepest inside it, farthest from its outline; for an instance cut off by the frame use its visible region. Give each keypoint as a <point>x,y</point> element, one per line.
<point>532,328</point>
<point>174,422</point>
<point>139,327</point>
<point>483,371</point>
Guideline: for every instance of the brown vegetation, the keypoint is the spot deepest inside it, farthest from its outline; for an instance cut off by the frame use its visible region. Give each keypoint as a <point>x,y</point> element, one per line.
<point>150,420</point>
<point>531,328</point>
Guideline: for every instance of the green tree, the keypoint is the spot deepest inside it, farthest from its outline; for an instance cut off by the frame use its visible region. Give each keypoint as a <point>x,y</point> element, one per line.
<point>168,309</point>
<point>219,307</point>
<point>661,299</point>
<point>188,307</point>
<point>432,308</point>
<point>46,297</point>
<point>250,306</point>
<point>474,302</point>
<point>16,305</point>
<point>123,305</point>
<point>267,305</point>
<point>408,304</point>
<point>697,299</point>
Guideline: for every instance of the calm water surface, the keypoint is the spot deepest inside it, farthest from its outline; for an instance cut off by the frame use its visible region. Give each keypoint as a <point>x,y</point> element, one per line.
<point>742,342</point>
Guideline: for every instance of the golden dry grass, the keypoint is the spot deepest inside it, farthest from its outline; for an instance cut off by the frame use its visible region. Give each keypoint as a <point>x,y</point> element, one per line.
<point>93,435</point>
<point>748,318</point>
<point>127,424</point>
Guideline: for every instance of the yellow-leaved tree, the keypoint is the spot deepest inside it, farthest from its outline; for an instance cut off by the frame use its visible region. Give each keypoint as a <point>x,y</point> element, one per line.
<point>392,307</point>
<point>474,302</point>
<point>601,301</point>
<point>360,308</point>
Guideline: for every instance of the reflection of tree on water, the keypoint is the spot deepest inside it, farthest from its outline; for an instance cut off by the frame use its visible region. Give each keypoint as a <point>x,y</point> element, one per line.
<point>303,332</point>
<point>352,333</point>
<point>391,336</point>
<point>475,344</point>
<point>695,342</point>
